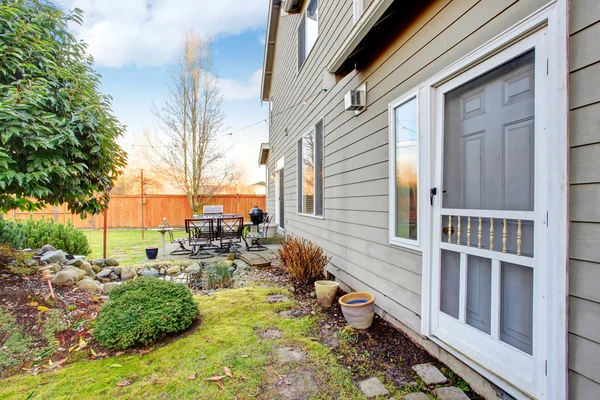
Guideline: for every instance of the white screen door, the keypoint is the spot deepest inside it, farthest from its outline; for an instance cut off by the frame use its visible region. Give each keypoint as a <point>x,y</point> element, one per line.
<point>489,218</point>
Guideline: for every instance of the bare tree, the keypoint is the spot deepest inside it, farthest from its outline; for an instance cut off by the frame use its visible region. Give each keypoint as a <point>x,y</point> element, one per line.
<point>191,120</point>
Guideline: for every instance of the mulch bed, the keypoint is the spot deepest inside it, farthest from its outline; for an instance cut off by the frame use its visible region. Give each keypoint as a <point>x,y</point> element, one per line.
<point>381,348</point>
<point>21,296</point>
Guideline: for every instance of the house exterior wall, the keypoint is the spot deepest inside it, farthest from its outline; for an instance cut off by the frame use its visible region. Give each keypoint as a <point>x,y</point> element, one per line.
<point>354,228</point>
<point>584,274</point>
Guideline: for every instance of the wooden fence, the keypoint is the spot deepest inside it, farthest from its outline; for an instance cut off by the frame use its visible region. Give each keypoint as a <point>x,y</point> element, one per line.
<point>126,211</point>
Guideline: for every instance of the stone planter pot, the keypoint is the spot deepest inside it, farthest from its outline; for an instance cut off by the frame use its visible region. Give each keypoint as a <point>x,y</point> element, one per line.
<point>326,291</point>
<point>272,229</point>
<point>358,309</point>
<point>151,253</point>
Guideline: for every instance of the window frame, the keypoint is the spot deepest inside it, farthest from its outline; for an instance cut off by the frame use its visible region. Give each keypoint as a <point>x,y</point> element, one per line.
<point>358,9</point>
<point>304,41</point>
<point>413,244</point>
<point>300,175</point>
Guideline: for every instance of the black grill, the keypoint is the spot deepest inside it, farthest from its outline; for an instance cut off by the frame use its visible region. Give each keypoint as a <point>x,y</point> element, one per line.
<point>257,216</point>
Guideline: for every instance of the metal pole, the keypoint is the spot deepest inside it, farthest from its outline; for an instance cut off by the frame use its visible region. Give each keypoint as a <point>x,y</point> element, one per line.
<point>105,219</point>
<point>142,191</point>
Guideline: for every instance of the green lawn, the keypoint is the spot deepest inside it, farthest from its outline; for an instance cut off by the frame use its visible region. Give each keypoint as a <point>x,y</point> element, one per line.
<point>126,245</point>
<point>227,337</point>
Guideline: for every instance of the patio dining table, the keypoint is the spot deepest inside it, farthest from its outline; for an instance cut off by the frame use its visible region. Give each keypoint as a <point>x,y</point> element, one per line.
<point>204,229</point>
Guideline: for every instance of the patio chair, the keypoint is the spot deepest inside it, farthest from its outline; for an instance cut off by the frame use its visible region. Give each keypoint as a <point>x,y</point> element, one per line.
<point>229,230</point>
<point>201,234</point>
<point>256,235</point>
<point>181,250</point>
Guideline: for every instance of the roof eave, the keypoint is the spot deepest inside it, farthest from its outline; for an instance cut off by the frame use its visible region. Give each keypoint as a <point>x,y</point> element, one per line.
<point>272,24</point>
<point>263,154</point>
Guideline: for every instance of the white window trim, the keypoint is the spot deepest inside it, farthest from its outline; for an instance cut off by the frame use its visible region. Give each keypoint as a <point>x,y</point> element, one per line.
<point>303,18</point>
<point>554,16</point>
<point>395,240</point>
<point>357,10</point>
<point>299,165</point>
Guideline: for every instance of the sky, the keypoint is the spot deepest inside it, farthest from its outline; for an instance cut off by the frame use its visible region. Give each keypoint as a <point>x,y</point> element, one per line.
<point>135,42</point>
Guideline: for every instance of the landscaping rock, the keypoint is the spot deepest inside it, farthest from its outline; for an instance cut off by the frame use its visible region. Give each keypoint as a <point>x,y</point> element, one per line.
<point>290,354</point>
<point>47,248</point>
<point>193,269</point>
<point>108,287</point>
<point>57,256</point>
<point>162,271</point>
<point>65,278</point>
<point>99,262</point>
<point>117,270</point>
<point>276,298</point>
<point>89,286</point>
<point>111,262</point>
<point>113,276</point>
<point>429,374</point>
<point>80,272</point>
<point>300,385</point>
<point>128,273</point>
<point>450,393</point>
<point>75,262</point>
<point>225,263</point>
<point>150,272</point>
<point>372,387</point>
<point>175,269</point>
<point>96,268</point>
<point>54,267</point>
<point>272,334</point>
<point>86,266</point>
<point>416,396</point>
<point>104,273</point>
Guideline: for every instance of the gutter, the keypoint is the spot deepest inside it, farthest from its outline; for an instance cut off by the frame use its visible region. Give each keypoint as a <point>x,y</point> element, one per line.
<point>272,25</point>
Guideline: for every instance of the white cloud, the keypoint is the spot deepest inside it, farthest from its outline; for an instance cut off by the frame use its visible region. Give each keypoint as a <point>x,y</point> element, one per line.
<point>236,90</point>
<point>150,32</point>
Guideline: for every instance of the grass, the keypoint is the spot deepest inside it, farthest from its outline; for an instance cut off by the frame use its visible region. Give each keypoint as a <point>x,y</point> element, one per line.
<point>126,245</point>
<point>227,337</point>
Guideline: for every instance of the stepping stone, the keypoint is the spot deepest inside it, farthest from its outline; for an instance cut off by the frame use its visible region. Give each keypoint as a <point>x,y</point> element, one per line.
<point>272,334</point>
<point>277,298</point>
<point>291,354</point>
<point>300,385</point>
<point>288,314</point>
<point>416,396</point>
<point>372,387</point>
<point>429,374</point>
<point>450,393</point>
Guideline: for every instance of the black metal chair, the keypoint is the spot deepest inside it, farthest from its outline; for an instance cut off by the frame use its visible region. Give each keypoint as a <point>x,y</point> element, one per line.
<point>229,231</point>
<point>181,250</point>
<point>201,233</point>
<point>255,236</point>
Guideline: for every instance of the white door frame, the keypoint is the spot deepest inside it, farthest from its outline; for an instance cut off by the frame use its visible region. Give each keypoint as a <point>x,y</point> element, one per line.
<point>551,334</point>
<point>279,166</point>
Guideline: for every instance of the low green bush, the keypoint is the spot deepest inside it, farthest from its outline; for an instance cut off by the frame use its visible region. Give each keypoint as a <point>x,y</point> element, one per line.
<point>142,311</point>
<point>35,233</point>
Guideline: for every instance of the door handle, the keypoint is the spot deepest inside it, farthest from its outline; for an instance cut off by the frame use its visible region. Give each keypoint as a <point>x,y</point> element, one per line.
<point>432,192</point>
<point>445,230</point>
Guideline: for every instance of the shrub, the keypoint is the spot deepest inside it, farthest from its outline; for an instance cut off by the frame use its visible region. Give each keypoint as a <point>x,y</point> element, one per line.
<point>218,277</point>
<point>36,233</point>
<point>142,311</point>
<point>15,260</point>
<point>302,259</point>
